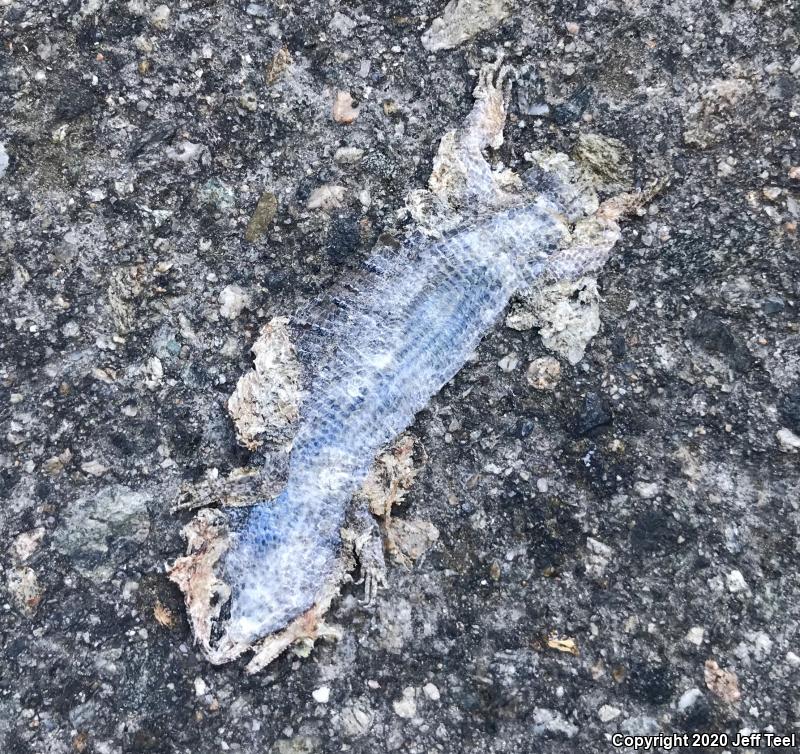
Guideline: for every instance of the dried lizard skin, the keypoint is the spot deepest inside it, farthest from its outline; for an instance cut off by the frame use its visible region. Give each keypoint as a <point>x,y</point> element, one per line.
<point>390,346</point>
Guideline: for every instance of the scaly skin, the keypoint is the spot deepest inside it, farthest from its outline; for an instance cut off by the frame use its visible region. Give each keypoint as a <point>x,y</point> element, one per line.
<point>389,348</point>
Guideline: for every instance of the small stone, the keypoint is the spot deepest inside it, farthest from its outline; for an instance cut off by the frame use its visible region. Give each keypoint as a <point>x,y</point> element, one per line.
<point>390,107</point>
<point>794,172</point>
<point>509,362</point>
<point>153,373</point>
<point>594,413</point>
<point>321,695</point>
<point>788,440</point>
<point>342,24</point>
<point>3,159</point>
<point>598,557</point>
<point>348,155</point>
<point>771,192</point>
<point>544,373</point>
<point>94,468</point>
<point>263,215</point>
<point>326,197</point>
<point>143,44</point>
<point>773,305</point>
<point>27,543</point>
<point>646,490</point>
<point>609,160</point>
<point>233,300</point>
<point>607,713</point>
<point>553,722</point>
<point>24,587</point>
<point>431,691</point>
<point>406,706</point>
<point>343,110</point>
<point>792,659</point>
<point>356,720</point>
<point>721,683</point>
<point>572,28</point>
<point>55,465</point>
<point>185,151</point>
<point>736,583</point>
<point>567,315</point>
<point>248,101</point>
<point>521,320</point>
<point>159,18</point>
<point>217,195</point>
<point>762,646</point>
<point>494,571</point>
<point>200,687</point>
<point>462,20</point>
<point>688,698</point>
<point>163,615</point>
<point>281,60</point>
<point>257,10</point>
<point>695,635</point>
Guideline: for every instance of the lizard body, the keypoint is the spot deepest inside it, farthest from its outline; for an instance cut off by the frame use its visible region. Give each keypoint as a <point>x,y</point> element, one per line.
<point>390,347</point>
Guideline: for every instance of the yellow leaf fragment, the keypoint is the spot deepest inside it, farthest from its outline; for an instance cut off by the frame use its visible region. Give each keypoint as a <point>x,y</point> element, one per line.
<point>163,615</point>
<point>562,645</point>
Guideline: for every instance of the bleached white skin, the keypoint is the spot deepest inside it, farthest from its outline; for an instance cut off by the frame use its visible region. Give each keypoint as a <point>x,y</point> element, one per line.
<point>396,345</point>
<point>389,348</point>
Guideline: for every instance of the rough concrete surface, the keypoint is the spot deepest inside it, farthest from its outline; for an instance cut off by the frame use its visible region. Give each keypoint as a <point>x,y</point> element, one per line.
<point>618,546</point>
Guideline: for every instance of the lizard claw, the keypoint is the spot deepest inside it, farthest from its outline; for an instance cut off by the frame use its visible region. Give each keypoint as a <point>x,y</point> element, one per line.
<point>374,579</point>
<point>505,79</point>
<point>491,77</point>
<point>372,568</point>
<point>492,96</point>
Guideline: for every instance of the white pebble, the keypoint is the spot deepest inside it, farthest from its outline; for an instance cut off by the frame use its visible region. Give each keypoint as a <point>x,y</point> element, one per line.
<point>646,490</point>
<point>688,698</point>
<point>508,363</point>
<point>326,197</point>
<point>607,713</point>
<point>159,18</point>
<point>736,582</point>
<point>789,441</point>
<point>233,300</point>
<point>406,706</point>
<point>762,646</point>
<point>322,695</point>
<point>431,692</point>
<point>248,101</point>
<point>695,635</point>
<point>348,155</point>
<point>544,373</point>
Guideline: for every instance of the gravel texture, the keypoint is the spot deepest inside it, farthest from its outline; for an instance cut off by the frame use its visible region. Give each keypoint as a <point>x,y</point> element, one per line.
<point>618,545</point>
